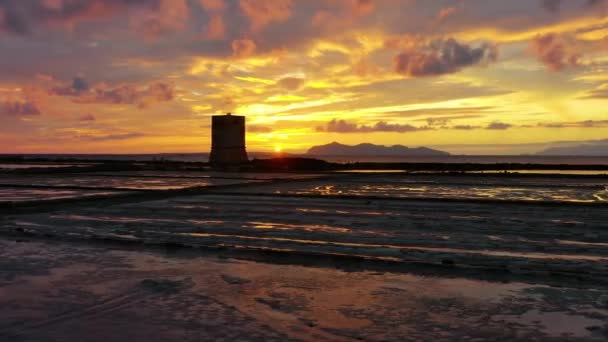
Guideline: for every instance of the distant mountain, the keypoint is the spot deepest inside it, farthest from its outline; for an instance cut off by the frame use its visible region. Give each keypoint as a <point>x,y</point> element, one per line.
<point>337,149</point>
<point>591,150</point>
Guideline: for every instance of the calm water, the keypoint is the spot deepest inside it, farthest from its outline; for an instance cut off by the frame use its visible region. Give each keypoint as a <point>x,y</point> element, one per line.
<point>204,157</point>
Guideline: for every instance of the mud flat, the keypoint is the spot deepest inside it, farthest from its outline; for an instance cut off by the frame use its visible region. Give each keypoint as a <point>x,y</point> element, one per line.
<point>64,291</point>
<point>305,257</point>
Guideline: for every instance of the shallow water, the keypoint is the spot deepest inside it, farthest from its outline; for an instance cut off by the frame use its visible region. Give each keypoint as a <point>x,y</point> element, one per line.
<point>21,195</point>
<point>513,193</point>
<point>19,166</point>
<point>531,188</point>
<point>118,182</point>
<point>112,294</point>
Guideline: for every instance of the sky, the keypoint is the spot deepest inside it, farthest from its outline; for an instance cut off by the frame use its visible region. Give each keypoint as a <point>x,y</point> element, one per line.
<point>144,76</point>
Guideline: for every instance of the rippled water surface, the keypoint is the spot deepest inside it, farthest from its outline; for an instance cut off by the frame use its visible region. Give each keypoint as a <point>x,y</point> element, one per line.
<point>120,182</point>
<point>20,195</point>
<point>597,194</point>
<point>450,187</point>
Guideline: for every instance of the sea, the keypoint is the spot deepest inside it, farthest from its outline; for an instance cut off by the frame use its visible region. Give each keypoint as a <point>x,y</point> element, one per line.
<point>204,157</point>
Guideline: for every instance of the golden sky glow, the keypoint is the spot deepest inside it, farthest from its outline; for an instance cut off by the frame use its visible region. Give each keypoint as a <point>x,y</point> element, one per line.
<point>144,76</point>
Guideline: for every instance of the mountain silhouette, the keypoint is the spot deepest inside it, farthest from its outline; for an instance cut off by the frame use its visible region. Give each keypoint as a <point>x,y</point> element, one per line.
<point>590,150</point>
<point>367,149</point>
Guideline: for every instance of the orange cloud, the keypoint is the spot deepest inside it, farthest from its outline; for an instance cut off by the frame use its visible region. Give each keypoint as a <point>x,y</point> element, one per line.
<point>216,29</point>
<point>344,15</point>
<point>555,52</point>
<point>444,13</point>
<point>291,83</point>
<point>261,13</point>
<point>171,16</point>
<point>362,7</point>
<point>243,48</point>
<point>213,5</point>
<point>19,108</point>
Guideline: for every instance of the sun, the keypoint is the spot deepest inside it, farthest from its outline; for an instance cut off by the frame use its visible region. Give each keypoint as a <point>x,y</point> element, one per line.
<point>278,149</point>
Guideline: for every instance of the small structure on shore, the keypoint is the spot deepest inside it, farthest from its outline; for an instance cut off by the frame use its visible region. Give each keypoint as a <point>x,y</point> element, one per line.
<point>228,141</point>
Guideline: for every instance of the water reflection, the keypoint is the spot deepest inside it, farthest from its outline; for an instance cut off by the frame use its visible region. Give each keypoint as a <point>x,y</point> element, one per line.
<point>22,195</point>
<point>386,250</point>
<point>586,194</point>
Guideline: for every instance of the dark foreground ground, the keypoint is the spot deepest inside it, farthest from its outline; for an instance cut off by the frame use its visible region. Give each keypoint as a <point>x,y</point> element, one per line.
<point>75,292</point>
<point>196,255</point>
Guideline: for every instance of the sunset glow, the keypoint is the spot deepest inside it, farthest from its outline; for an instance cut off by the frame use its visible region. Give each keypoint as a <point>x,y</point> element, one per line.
<point>466,76</point>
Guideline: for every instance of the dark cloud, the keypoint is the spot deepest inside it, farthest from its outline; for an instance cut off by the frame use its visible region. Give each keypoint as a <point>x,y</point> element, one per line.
<point>130,94</point>
<point>342,126</point>
<point>76,88</point>
<point>499,126</point>
<point>442,56</point>
<point>141,96</point>
<point>437,121</point>
<point>23,16</point>
<point>19,108</point>
<point>555,51</point>
<point>465,127</point>
<point>555,5</point>
<point>551,5</point>
<point>596,2</point>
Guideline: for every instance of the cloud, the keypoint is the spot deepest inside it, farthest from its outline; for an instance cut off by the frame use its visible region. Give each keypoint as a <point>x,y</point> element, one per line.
<point>442,56</point>
<point>215,29</point>
<point>555,5</point>
<point>262,13</point>
<point>342,126</point>
<point>437,121</point>
<point>19,108</point>
<point>344,15</point>
<point>110,137</point>
<point>141,96</point>
<point>578,124</point>
<point>213,5</point>
<point>291,83</point>
<point>243,48</point>
<point>551,5</point>
<point>150,18</point>
<point>23,16</point>
<point>465,127</point>
<point>600,92</point>
<point>362,7</point>
<point>168,17</point>
<point>555,51</point>
<point>87,118</point>
<point>78,86</point>
<point>499,126</point>
<point>258,129</point>
<point>363,68</point>
<point>443,14</point>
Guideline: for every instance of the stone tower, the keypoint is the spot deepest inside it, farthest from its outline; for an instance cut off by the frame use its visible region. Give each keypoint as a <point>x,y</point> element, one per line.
<point>228,140</point>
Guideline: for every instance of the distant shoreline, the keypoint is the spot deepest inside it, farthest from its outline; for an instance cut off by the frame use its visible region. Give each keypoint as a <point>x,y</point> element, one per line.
<point>69,163</point>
